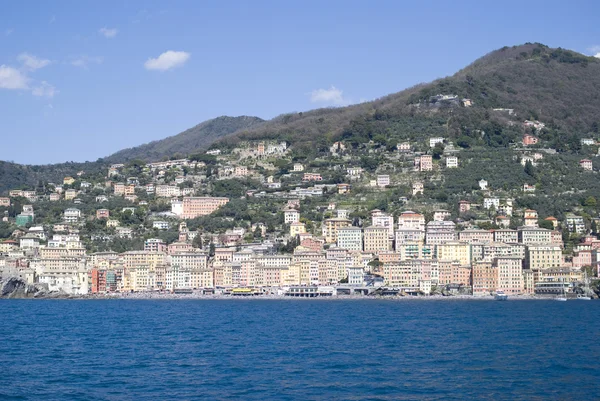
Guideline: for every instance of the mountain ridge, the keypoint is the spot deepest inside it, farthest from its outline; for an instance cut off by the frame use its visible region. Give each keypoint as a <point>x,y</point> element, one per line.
<point>556,86</point>
<point>193,139</point>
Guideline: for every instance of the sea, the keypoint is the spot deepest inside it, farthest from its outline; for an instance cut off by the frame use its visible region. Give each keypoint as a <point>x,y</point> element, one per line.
<point>299,349</point>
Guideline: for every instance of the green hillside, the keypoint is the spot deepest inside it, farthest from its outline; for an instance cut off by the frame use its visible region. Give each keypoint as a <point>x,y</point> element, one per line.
<point>189,141</point>
<point>558,87</point>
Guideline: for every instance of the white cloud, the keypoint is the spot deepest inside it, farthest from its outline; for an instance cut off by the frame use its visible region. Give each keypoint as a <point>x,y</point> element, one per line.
<point>108,32</point>
<point>44,90</point>
<point>595,50</point>
<point>167,60</point>
<point>332,96</point>
<point>11,78</point>
<point>83,61</point>
<point>32,62</point>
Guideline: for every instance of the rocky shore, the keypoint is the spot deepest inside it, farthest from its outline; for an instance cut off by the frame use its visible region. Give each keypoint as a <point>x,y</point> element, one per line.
<point>18,288</point>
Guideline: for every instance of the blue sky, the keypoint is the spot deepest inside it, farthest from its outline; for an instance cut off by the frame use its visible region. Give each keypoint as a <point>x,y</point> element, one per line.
<point>80,80</point>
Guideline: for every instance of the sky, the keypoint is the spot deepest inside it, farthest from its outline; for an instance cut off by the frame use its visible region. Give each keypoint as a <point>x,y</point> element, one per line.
<point>80,80</point>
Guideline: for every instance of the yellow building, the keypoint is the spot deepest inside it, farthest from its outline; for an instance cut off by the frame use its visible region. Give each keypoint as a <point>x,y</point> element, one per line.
<point>330,227</point>
<point>68,180</point>
<point>544,256</point>
<point>297,228</point>
<point>377,239</point>
<point>454,250</point>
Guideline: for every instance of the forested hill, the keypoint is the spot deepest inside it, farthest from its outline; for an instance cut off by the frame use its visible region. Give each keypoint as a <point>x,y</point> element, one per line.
<point>559,87</point>
<point>189,141</point>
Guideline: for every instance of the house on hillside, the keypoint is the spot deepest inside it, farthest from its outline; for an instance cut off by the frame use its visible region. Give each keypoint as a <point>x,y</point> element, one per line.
<point>586,164</point>
<point>530,140</point>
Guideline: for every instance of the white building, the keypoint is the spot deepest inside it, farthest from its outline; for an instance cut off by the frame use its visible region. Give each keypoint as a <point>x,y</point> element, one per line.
<point>417,187</point>
<point>160,225</point>
<point>72,215</point>
<point>291,216</point>
<point>451,162</point>
<point>489,202</point>
<point>483,185</point>
<point>350,238</point>
<point>383,181</point>
<point>434,141</point>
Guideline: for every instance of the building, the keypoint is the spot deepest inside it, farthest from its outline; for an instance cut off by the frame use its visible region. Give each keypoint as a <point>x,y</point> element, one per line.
<point>425,163</point>
<point>291,216</point>
<point>438,232</point>
<point>488,203</point>
<point>155,245</point>
<point>68,181</point>
<point>534,235</point>
<point>527,188</point>
<point>70,194</point>
<point>586,164</point>
<point>381,219</point>
<point>403,147</point>
<point>350,238</point>
<point>417,187</point>
<point>553,220</point>
<point>312,177</point>
<point>193,207</point>
<point>464,206</point>
<point>377,239</point>
<point>102,214</point>
<point>454,251</point>
<point>575,224</point>
<point>4,201</point>
<point>510,274</point>
<point>298,167</point>
<point>451,162</point>
<point>441,215</point>
<point>485,278</point>
<point>530,140</point>
<point>72,215</point>
<point>331,226</point>
<point>483,185</point>
<point>297,228</point>
<point>343,188</point>
<point>530,218</point>
<point>470,236</point>
<point>543,257</point>
<point>410,220</point>
<point>434,141</point>
<point>160,225</point>
<point>383,181</point>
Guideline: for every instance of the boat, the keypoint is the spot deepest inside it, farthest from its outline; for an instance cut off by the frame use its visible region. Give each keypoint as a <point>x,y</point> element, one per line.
<point>500,296</point>
<point>563,296</point>
<point>583,297</point>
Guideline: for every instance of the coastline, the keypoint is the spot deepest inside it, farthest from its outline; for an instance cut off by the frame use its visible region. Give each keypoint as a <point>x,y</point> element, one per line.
<point>167,296</point>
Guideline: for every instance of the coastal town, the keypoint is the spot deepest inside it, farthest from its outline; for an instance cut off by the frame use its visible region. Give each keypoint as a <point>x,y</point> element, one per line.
<point>254,220</point>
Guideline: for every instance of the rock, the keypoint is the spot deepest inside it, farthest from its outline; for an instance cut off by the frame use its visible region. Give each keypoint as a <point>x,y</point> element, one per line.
<point>15,287</point>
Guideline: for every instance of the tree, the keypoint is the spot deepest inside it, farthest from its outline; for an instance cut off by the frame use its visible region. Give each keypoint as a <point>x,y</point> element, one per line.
<point>529,169</point>
<point>547,224</point>
<point>590,201</point>
<point>438,151</point>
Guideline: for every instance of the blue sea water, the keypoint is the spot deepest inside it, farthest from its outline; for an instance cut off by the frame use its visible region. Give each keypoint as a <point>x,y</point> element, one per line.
<point>299,350</point>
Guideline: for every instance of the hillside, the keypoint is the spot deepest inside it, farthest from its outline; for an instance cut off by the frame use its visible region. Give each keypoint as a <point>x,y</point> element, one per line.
<point>189,141</point>
<point>558,87</point>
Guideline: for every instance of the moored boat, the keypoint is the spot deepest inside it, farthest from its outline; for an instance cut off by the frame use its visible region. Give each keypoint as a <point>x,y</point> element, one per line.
<point>500,296</point>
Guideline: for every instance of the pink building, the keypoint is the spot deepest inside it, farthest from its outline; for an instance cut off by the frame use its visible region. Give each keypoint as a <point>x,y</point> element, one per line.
<point>530,140</point>
<point>586,164</point>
